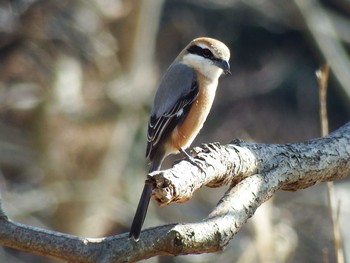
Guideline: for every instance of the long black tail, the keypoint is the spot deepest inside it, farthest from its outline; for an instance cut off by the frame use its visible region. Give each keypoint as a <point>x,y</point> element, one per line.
<point>142,207</point>
<point>141,212</point>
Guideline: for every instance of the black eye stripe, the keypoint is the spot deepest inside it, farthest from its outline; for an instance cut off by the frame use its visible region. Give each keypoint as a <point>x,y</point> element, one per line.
<point>203,52</point>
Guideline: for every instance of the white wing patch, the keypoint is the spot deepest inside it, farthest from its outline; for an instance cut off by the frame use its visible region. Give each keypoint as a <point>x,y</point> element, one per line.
<point>180,112</point>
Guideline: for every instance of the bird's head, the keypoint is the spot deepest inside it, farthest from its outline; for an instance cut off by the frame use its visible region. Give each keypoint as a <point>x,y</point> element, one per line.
<point>208,56</point>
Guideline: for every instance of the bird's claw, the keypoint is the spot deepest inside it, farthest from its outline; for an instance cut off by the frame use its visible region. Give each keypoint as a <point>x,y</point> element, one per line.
<point>191,160</point>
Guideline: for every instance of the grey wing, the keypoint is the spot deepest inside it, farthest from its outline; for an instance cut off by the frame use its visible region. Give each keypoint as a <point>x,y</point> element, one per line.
<point>176,82</point>
<point>176,93</point>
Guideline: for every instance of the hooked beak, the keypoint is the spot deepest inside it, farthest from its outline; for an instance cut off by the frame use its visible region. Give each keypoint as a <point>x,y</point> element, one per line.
<point>224,65</point>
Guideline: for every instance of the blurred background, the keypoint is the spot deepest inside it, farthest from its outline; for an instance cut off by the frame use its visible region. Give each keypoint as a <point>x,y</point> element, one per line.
<point>77,79</point>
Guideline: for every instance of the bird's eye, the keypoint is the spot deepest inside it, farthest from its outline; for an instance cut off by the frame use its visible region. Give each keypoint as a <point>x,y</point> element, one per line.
<point>207,53</point>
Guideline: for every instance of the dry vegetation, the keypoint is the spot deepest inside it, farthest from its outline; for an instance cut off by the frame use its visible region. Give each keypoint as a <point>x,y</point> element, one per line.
<point>76,83</point>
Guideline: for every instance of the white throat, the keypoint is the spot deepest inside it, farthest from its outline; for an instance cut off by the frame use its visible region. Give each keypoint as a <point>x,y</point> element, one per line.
<point>204,66</point>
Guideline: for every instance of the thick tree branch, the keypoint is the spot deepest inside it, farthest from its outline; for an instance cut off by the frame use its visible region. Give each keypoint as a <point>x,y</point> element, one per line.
<point>255,172</point>
<point>294,166</point>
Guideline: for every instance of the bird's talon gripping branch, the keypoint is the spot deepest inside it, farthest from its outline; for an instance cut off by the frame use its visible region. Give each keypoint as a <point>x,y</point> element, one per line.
<point>191,160</point>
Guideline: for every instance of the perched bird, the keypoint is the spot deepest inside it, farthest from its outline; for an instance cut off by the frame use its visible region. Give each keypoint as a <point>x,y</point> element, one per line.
<point>181,106</point>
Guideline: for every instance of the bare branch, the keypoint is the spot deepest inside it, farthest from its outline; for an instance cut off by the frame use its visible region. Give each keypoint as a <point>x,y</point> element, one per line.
<point>255,172</point>
<point>295,166</point>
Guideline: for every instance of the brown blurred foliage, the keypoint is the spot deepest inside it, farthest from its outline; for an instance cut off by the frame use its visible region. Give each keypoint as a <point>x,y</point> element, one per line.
<point>76,84</point>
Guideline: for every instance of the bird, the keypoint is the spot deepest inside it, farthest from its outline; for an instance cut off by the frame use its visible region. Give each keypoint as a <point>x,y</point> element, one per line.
<point>181,105</point>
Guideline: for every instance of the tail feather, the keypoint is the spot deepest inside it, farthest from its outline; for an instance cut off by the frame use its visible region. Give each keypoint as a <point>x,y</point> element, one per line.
<point>141,212</point>
<point>142,207</point>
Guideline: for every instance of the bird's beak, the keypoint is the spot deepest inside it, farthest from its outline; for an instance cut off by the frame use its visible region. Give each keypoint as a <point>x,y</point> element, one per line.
<point>224,65</point>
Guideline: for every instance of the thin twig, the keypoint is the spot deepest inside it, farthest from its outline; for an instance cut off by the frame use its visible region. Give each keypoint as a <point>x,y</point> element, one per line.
<point>334,206</point>
<point>322,77</point>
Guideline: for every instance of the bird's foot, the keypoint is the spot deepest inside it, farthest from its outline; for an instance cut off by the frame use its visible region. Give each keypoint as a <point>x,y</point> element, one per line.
<point>191,159</point>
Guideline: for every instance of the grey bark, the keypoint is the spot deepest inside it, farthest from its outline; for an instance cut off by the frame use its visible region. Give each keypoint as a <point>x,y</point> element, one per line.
<point>254,171</point>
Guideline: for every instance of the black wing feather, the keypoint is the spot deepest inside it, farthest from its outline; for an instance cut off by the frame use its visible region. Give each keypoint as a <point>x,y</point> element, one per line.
<point>159,128</point>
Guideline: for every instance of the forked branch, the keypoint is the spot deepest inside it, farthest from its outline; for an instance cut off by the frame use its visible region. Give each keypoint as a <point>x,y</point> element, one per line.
<point>254,171</point>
